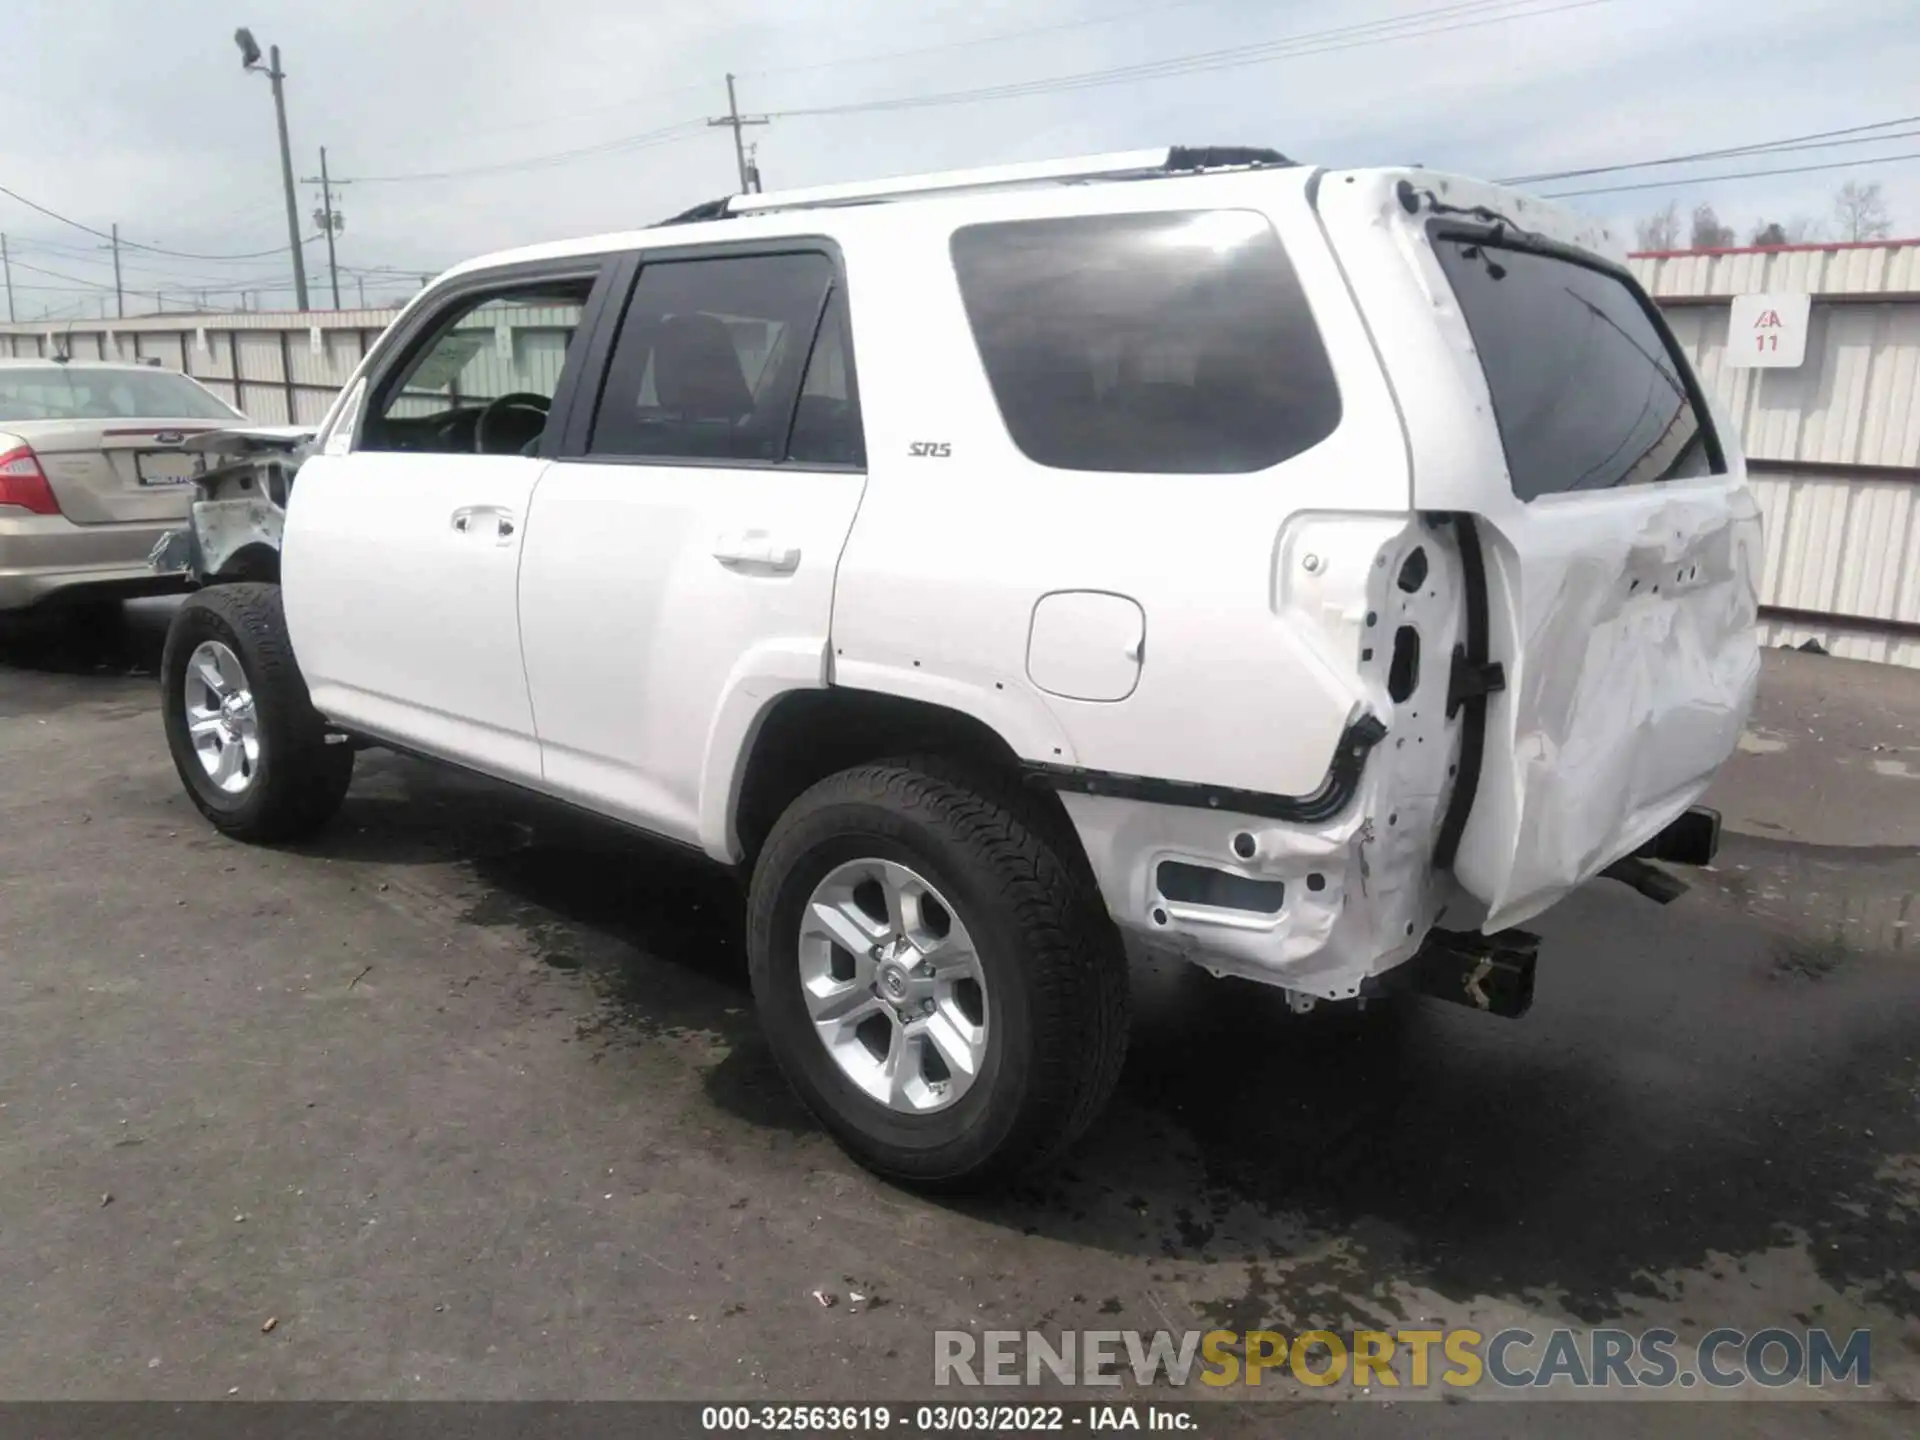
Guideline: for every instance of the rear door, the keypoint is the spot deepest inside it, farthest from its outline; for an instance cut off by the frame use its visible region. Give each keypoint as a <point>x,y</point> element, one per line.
<point>109,438</point>
<point>1607,516</point>
<point>679,567</point>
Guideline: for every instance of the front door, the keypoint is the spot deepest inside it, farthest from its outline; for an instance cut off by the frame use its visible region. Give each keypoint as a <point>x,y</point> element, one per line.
<point>679,568</point>
<point>401,556</point>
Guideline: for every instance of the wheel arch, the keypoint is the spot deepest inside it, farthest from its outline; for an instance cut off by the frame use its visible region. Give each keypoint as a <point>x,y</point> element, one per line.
<point>802,736</point>
<point>258,562</point>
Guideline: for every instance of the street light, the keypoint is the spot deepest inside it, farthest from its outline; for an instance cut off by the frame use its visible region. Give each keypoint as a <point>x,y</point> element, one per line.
<point>250,60</point>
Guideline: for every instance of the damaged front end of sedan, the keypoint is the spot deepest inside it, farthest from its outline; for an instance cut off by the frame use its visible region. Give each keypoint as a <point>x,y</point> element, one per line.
<point>233,531</point>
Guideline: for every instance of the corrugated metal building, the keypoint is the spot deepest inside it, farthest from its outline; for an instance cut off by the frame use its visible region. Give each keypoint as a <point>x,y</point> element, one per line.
<point>1833,444</point>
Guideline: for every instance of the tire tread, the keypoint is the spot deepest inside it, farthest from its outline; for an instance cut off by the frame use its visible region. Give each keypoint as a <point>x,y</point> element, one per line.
<point>306,778</point>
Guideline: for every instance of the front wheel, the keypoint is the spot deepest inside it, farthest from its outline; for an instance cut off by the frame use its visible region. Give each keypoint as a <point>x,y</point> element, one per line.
<point>253,753</point>
<point>936,975</point>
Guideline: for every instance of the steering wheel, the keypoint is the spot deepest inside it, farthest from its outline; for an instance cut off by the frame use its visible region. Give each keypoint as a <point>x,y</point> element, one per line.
<point>523,401</point>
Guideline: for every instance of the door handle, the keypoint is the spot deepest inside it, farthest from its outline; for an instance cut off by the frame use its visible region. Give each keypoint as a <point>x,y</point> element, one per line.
<point>757,551</point>
<point>503,524</point>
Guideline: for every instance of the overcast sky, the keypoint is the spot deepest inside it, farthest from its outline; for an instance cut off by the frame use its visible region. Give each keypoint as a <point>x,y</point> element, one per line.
<point>137,111</point>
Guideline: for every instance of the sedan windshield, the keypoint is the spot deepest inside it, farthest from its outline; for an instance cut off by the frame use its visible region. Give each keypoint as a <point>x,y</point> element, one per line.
<point>65,392</point>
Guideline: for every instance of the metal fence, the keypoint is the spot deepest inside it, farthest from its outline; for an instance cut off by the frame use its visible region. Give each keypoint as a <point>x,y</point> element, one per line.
<point>1833,444</point>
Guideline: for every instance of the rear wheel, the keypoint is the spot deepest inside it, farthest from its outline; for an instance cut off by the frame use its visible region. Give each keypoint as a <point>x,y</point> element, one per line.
<point>252,751</point>
<point>936,975</point>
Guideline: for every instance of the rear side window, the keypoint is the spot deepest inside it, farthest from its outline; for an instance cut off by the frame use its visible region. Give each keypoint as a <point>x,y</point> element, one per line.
<point>710,360</point>
<point>1586,391</point>
<point>1165,343</point>
<point>826,420</point>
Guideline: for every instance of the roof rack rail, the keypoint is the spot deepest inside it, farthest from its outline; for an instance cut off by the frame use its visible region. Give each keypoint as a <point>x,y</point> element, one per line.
<point>1119,165</point>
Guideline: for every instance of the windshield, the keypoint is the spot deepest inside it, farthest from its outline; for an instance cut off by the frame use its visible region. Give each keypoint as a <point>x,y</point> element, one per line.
<point>66,392</point>
<point>1585,388</point>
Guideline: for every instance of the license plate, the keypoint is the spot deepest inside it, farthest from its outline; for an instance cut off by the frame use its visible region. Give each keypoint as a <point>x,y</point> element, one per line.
<point>166,467</point>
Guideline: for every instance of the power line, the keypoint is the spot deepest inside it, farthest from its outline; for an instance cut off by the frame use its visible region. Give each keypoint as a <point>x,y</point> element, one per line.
<point>178,285</point>
<point>641,141</point>
<point>1461,15</point>
<point>1819,139</point>
<point>130,244</point>
<point>57,275</point>
<point>543,121</point>
<point>1347,37</point>
<point>91,256</point>
<point>1738,175</point>
<point>654,93</point>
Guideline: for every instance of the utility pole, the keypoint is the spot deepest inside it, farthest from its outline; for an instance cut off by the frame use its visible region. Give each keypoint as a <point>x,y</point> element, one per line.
<point>6,263</point>
<point>361,281</point>
<point>119,295</point>
<point>250,60</point>
<point>735,121</point>
<point>330,220</point>
<point>278,76</point>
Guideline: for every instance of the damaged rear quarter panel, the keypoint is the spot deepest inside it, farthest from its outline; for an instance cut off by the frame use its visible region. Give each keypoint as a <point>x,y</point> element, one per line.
<point>1361,890</point>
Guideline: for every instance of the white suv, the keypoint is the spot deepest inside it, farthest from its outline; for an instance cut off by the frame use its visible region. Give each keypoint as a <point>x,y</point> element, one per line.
<point>1187,549</point>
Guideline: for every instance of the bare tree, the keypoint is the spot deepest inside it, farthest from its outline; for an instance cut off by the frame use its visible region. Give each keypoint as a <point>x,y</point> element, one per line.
<point>1800,230</point>
<point>1659,231</point>
<point>1708,232</point>
<point>1861,211</point>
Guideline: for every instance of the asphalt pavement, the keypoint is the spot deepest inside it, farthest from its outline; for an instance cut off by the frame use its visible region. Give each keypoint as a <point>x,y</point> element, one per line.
<point>465,1100</point>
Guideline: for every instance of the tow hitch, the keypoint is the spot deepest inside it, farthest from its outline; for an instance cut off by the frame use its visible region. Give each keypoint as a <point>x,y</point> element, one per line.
<point>1692,839</point>
<point>1493,973</point>
<point>1489,973</point>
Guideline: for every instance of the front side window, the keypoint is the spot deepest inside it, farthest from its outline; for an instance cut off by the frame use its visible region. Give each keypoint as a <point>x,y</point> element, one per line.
<point>1586,391</point>
<point>1163,343</point>
<point>710,360</point>
<point>485,383</point>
